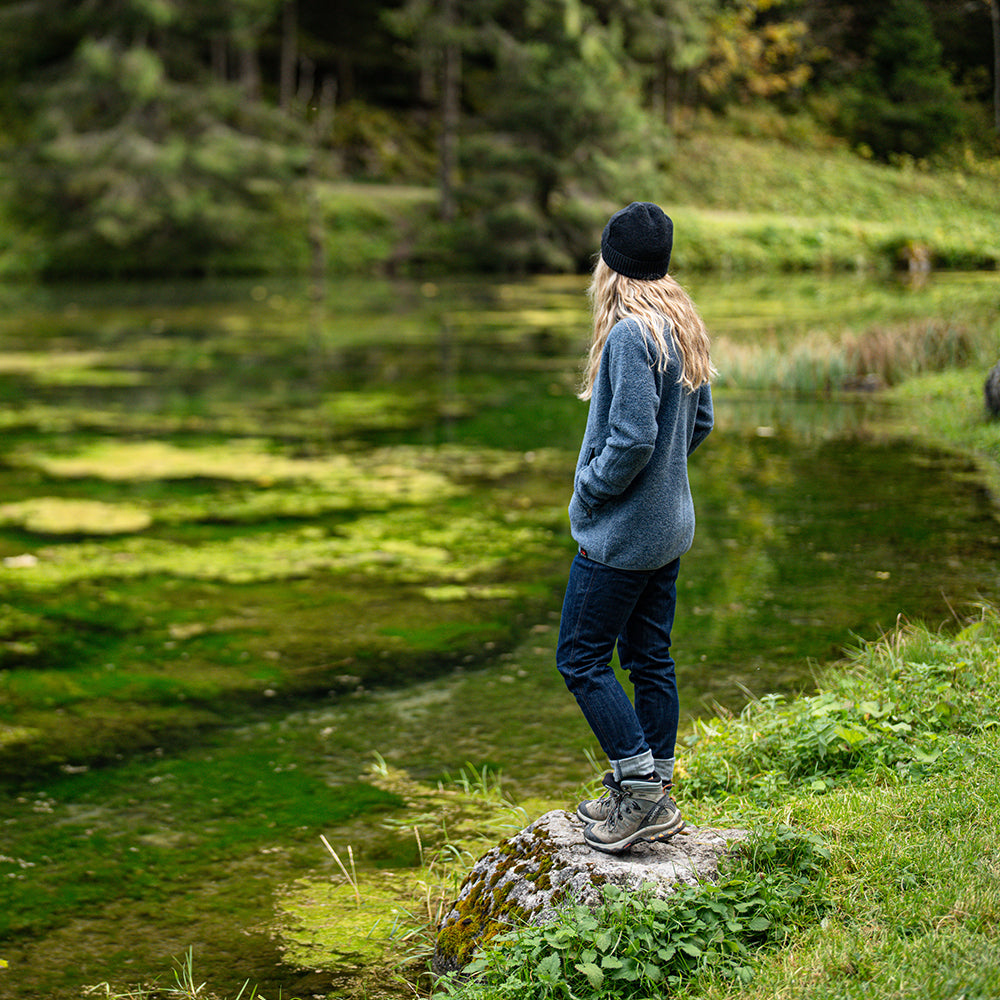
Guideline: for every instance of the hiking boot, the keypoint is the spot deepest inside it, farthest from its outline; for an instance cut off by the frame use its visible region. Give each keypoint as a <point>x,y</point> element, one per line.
<point>598,810</point>
<point>642,810</point>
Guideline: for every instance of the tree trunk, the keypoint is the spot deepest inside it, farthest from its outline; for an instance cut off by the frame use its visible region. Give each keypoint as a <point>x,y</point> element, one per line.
<point>289,53</point>
<point>220,58</point>
<point>671,95</point>
<point>451,84</point>
<point>316,229</point>
<point>249,68</point>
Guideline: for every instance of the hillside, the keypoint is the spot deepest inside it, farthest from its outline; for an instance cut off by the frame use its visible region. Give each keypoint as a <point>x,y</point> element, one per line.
<point>786,200</point>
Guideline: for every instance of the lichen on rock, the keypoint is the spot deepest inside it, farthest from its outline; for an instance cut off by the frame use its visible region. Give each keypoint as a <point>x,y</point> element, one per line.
<point>527,877</point>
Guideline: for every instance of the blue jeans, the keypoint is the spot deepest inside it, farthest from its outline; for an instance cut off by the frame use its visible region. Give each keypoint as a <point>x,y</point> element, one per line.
<point>635,609</point>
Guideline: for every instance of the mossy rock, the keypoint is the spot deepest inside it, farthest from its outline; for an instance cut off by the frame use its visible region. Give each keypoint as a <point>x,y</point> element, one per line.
<point>527,877</point>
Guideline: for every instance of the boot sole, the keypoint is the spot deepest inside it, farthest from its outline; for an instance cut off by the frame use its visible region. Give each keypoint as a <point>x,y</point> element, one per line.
<point>654,834</point>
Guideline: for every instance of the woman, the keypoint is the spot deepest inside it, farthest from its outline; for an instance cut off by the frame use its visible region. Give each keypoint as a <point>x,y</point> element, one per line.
<point>648,382</point>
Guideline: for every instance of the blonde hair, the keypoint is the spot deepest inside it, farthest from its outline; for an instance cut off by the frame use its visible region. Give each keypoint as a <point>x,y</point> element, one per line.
<point>667,315</point>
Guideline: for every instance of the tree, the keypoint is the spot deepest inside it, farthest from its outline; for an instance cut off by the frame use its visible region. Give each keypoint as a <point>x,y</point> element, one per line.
<point>994,6</point>
<point>558,121</point>
<point>437,36</point>
<point>757,52</point>
<point>905,101</point>
<point>135,160</point>
<point>667,39</point>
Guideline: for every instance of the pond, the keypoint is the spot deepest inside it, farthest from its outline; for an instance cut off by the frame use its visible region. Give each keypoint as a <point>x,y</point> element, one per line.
<point>249,540</point>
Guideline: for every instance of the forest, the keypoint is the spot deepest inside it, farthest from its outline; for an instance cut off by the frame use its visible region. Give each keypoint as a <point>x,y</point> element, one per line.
<point>175,137</point>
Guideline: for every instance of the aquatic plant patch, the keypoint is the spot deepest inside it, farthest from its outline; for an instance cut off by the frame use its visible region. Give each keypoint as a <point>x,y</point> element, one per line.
<point>272,482</point>
<point>141,661</point>
<point>93,369</point>
<point>397,546</point>
<point>242,460</point>
<point>91,836</point>
<point>62,516</point>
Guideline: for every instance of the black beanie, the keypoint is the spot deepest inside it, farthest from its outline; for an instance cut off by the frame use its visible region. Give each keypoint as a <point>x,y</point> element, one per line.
<point>637,241</point>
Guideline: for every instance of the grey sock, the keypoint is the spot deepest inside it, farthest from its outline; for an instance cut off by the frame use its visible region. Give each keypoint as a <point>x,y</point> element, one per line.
<point>665,768</point>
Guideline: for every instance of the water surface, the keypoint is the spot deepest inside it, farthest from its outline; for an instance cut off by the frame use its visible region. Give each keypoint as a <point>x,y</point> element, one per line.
<point>355,541</point>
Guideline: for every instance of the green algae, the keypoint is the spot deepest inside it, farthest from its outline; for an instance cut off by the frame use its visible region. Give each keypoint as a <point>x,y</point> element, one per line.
<point>68,516</point>
<point>162,852</point>
<point>327,925</point>
<point>399,546</point>
<point>381,920</point>
<point>91,368</point>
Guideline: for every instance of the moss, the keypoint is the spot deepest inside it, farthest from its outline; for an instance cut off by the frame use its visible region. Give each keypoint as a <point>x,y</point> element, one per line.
<point>484,907</point>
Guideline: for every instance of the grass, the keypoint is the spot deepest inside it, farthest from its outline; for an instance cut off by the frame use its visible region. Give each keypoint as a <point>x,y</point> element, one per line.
<point>185,986</point>
<point>913,895</point>
<point>828,338</point>
<point>878,873</point>
<point>743,200</point>
<point>772,203</point>
<point>874,358</point>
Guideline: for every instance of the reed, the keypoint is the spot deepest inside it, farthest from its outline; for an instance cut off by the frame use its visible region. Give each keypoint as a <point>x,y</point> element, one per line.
<point>824,361</point>
<point>352,875</point>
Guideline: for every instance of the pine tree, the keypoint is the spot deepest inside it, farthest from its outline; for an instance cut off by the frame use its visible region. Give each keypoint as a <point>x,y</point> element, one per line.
<point>136,160</point>
<point>907,102</point>
<point>559,122</point>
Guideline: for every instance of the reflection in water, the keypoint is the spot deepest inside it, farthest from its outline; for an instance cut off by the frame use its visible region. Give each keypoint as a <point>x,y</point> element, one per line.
<point>812,540</point>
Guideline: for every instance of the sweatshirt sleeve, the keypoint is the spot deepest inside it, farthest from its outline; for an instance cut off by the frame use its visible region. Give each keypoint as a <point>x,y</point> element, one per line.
<point>704,418</point>
<point>632,424</point>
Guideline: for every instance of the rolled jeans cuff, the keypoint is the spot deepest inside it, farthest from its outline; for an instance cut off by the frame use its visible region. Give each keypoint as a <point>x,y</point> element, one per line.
<point>633,767</point>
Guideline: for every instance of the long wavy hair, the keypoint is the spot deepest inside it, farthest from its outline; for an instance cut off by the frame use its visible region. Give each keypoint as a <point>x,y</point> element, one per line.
<point>667,316</point>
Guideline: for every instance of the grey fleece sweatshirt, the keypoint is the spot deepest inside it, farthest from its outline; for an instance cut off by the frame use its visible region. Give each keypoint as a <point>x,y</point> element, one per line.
<point>631,506</point>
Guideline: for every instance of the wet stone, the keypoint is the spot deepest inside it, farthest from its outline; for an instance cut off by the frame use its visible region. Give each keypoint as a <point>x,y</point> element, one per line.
<point>529,876</point>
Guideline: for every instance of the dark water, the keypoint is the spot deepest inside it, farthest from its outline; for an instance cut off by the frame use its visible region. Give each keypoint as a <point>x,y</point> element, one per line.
<point>817,524</point>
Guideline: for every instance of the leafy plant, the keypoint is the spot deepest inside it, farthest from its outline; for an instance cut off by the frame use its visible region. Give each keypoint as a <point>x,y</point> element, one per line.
<point>636,945</point>
<point>903,710</point>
